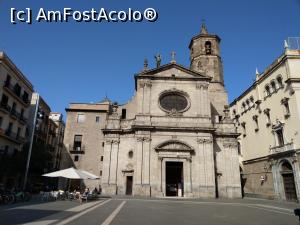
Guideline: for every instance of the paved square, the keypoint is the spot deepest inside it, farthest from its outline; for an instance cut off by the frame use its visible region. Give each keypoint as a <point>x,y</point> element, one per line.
<point>134,211</point>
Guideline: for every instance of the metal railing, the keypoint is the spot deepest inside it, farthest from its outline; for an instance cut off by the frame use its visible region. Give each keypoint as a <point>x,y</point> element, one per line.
<point>14,136</point>
<point>17,92</point>
<point>5,106</point>
<point>14,113</point>
<point>23,119</point>
<point>76,150</point>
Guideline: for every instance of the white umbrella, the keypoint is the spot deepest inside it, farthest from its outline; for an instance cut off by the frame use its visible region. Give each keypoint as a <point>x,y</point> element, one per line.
<point>91,176</point>
<point>72,173</point>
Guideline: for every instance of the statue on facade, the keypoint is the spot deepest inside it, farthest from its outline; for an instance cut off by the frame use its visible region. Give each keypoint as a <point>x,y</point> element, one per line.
<point>158,60</point>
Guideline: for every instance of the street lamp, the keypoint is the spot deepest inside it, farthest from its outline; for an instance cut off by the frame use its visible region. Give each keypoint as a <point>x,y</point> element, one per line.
<point>36,110</point>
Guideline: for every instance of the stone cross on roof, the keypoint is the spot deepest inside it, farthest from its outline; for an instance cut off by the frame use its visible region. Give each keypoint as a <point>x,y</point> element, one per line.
<point>203,28</point>
<point>173,54</point>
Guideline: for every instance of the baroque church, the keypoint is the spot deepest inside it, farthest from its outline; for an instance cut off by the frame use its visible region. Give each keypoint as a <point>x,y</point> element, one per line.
<point>173,138</point>
<point>177,138</point>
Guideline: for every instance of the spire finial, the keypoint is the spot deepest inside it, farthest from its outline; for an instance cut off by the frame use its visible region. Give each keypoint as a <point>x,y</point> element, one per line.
<point>203,27</point>
<point>286,46</point>
<point>145,64</point>
<point>256,73</point>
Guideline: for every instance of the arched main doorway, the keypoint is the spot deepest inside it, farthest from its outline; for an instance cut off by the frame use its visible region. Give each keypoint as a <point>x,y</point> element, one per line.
<point>288,182</point>
<point>176,169</point>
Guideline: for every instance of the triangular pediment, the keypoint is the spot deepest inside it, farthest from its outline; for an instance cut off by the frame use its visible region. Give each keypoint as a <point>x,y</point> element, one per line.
<point>172,70</point>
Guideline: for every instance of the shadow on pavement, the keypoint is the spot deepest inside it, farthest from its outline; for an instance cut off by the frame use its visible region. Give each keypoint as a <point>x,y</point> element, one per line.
<point>21,216</point>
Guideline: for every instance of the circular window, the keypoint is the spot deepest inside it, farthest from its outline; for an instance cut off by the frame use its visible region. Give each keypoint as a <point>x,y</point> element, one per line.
<point>174,101</point>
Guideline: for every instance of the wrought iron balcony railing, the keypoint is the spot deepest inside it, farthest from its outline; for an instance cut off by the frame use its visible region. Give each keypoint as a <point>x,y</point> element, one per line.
<point>77,149</point>
<point>17,92</point>
<point>4,106</point>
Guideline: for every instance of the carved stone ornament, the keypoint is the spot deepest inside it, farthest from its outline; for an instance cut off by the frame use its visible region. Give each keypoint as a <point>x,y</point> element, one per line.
<point>112,141</point>
<point>145,83</point>
<point>204,140</point>
<point>294,158</point>
<point>143,139</point>
<point>174,113</point>
<point>174,146</point>
<point>230,144</point>
<point>203,86</point>
<point>128,169</point>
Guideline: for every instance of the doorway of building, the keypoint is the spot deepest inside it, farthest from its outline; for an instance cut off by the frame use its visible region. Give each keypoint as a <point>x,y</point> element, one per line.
<point>174,179</point>
<point>288,182</point>
<point>129,180</point>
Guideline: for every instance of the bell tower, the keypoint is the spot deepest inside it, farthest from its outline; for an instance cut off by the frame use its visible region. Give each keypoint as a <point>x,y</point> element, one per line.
<point>205,55</point>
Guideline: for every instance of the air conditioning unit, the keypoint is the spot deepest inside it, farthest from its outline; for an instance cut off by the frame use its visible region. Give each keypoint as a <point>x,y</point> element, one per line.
<point>78,148</point>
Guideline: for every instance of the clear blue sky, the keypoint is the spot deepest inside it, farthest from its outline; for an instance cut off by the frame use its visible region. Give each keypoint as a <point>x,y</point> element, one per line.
<point>81,62</point>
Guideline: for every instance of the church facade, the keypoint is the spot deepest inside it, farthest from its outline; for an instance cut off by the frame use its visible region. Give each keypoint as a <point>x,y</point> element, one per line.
<point>174,137</point>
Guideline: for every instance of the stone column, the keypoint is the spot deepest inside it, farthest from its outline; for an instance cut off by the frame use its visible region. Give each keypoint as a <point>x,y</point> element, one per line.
<point>274,168</point>
<point>187,180</point>
<point>114,162</point>
<point>163,176</point>
<point>200,101</point>
<point>206,101</point>
<point>207,167</point>
<point>140,96</point>
<point>139,161</point>
<point>233,185</point>
<point>161,171</point>
<point>202,167</point>
<point>203,103</point>
<point>296,174</point>
<point>210,167</point>
<point>147,97</point>
<point>146,161</point>
<point>106,162</point>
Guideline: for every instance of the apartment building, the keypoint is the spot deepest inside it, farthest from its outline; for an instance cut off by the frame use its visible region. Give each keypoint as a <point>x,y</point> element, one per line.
<point>267,115</point>
<point>15,94</point>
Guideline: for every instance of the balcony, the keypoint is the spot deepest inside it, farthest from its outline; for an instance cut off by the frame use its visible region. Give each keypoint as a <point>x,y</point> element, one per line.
<point>16,92</point>
<point>4,107</point>
<point>13,136</point>
<point>283,148</point>
<point>14,114</point>
<point>76,150</point>
<point>23,119</point>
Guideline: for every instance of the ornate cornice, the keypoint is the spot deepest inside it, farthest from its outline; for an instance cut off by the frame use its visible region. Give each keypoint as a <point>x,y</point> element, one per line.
<point>204,140</point>
<point>143,139</point>
<point>112,141</point>
<point>230,144</point>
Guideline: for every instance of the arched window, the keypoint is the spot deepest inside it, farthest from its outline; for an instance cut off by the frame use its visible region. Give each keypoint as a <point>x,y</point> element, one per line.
<point>243,106</point>
<point>273,85</point>
<point>267,90</point>
<point>248,104</point>
<point>279,80</point>
<point>207,47</point>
